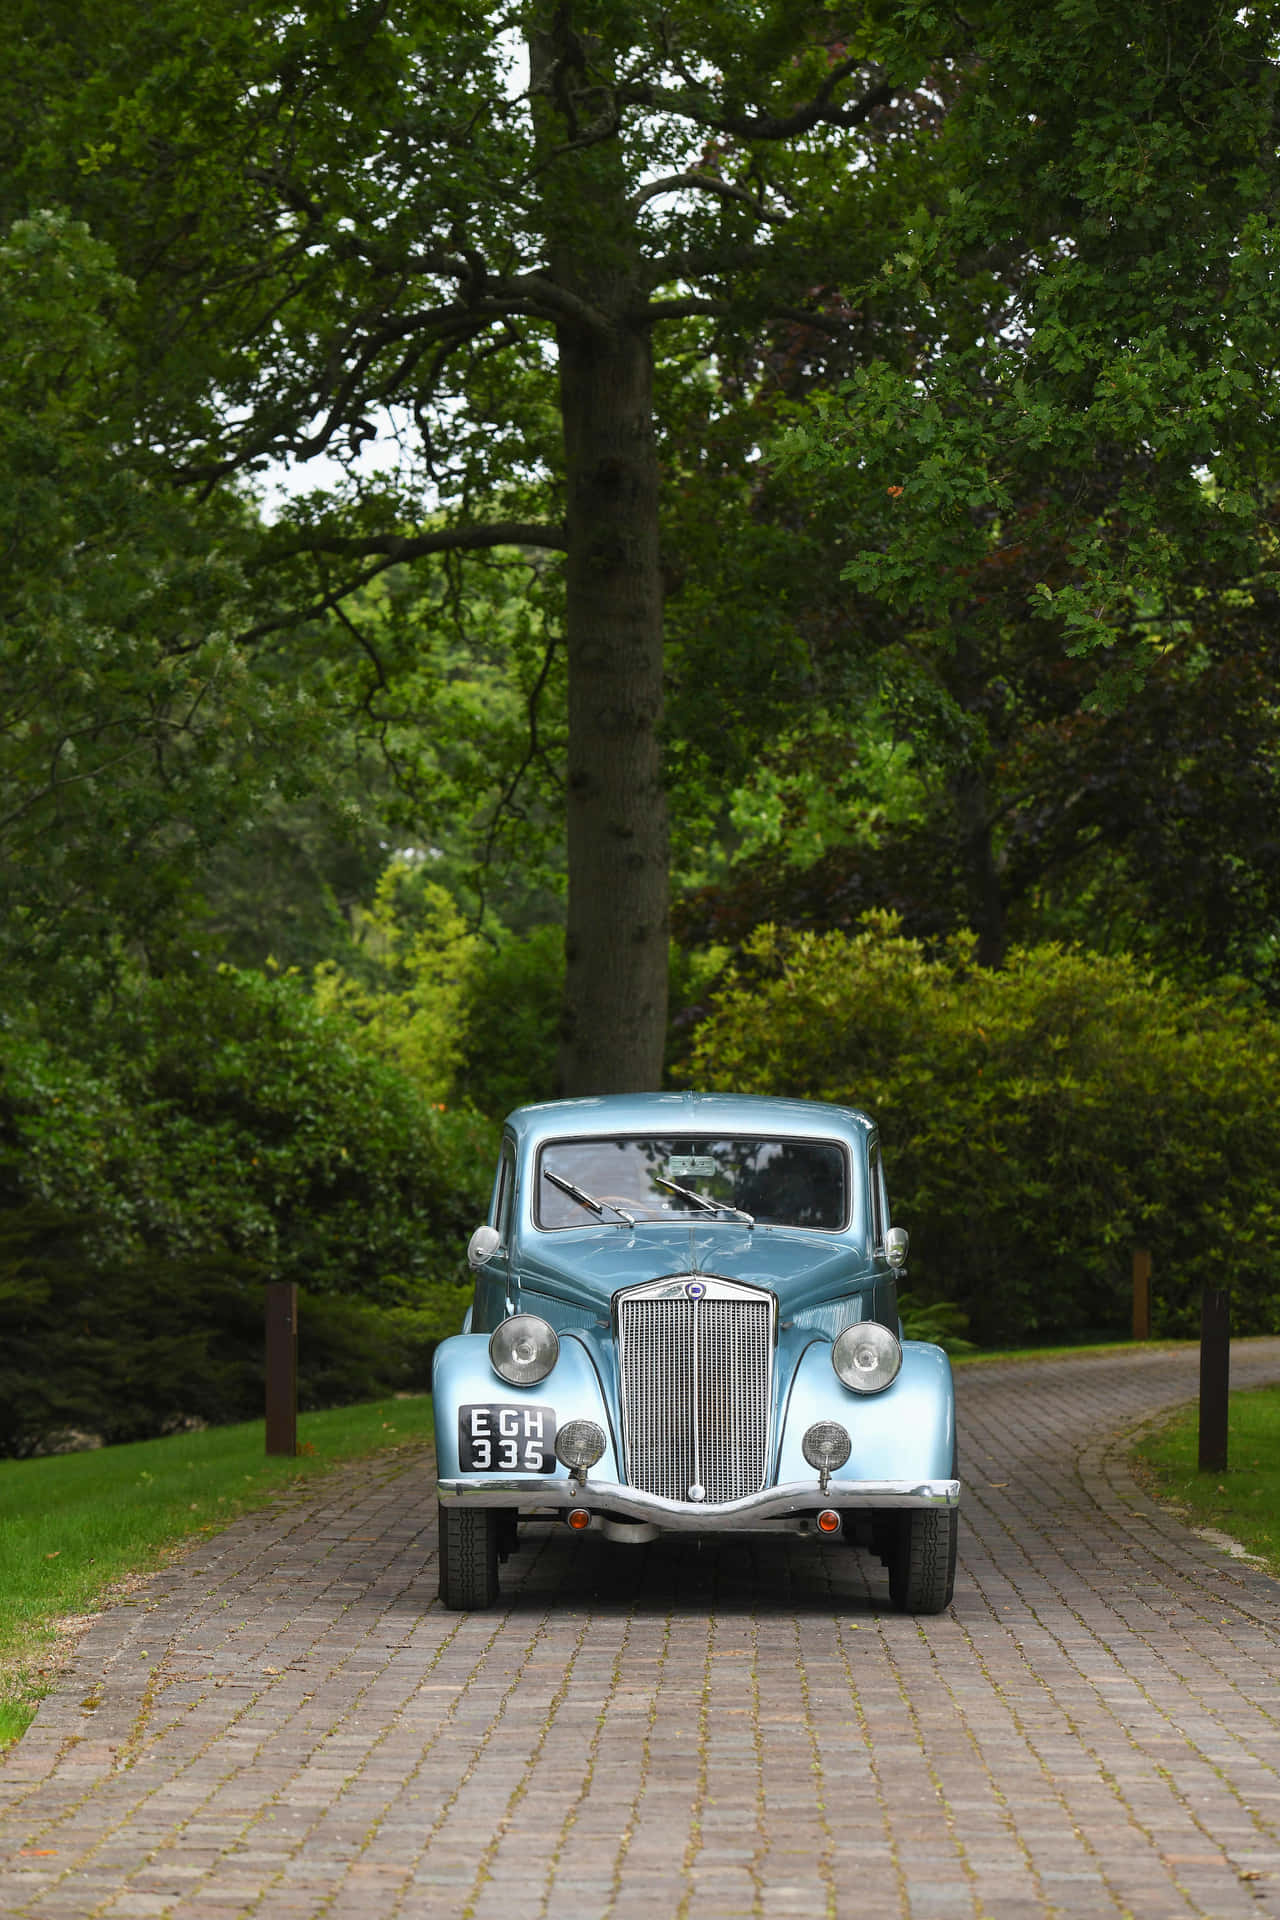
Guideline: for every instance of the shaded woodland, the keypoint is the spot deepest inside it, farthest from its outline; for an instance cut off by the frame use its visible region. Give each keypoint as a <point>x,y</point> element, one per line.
<point>526,527</point>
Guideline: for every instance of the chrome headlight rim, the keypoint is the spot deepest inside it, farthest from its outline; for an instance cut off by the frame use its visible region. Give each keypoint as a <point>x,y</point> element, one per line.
<point>580,1445</point>
<point>523,1349</point>
<point>826,1446</point>
<point>866,1357</point>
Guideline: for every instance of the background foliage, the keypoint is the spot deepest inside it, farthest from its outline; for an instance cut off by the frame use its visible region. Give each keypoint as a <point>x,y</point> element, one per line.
<point>1040,1122</point>
<point>964,411</point>
<point>227,1131</point>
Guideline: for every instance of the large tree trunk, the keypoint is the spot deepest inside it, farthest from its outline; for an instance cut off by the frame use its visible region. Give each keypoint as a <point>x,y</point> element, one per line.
<point>615,1010</point>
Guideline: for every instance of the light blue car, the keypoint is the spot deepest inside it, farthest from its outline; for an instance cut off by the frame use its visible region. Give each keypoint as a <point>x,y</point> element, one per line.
<point>686,1319</point>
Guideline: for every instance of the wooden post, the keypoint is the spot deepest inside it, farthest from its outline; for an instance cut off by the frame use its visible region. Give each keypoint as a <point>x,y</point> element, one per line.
<point>1141,1294</point>
<point>282,1366</point>
<point>1215,1370</point>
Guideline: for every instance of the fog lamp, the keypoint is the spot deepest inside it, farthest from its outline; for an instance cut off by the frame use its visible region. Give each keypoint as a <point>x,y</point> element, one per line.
<point>826,1446</point>
<point>579,1444</point>
<point>867,1357</point>
<point>523,1350</point>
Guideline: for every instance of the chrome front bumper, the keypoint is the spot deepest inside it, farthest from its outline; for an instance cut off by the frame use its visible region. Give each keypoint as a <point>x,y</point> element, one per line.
<point>797,1498</point>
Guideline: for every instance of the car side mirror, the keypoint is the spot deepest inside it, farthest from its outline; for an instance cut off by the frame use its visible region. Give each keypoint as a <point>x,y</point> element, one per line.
<point>482,1246</point>
<point>896,1242</point>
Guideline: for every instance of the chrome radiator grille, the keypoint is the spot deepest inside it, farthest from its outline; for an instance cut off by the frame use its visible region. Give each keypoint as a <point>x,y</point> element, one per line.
<point>696,1376</point>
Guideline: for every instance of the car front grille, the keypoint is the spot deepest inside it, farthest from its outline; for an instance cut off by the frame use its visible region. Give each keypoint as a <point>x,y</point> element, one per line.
<point>696,1374</point>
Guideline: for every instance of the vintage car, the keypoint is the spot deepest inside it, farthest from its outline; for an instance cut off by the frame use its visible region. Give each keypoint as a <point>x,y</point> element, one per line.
<point>686,1318</point>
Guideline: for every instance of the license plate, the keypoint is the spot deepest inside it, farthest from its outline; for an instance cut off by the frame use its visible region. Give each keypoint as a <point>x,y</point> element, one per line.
<point>498,1439</point>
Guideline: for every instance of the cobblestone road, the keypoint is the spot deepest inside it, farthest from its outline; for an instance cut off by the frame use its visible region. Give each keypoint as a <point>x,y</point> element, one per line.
<point>286,1724</point>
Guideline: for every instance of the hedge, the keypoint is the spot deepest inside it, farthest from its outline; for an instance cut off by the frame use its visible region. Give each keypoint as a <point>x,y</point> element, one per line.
<point>1040,1121</point>
<point>216,1131</point>
<point>120,1350</point>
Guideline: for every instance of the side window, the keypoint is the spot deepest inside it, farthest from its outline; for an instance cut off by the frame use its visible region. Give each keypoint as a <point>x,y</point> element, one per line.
<point>504,1188</point>
<point>879,1198</point>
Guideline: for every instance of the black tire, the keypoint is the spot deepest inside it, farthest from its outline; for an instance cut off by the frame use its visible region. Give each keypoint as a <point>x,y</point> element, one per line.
<point>922,1559</point>
<point>468,1556</point>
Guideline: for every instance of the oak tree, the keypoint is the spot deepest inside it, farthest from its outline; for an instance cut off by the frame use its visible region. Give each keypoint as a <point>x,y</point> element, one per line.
<point>515,237</point>
<point>474,221</point>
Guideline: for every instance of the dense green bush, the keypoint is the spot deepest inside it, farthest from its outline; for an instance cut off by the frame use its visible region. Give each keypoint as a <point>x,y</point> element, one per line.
<point>212,1133</point>
<point>417,958</point>
<point>225,1114</point>
<point>470,1017</point>
<point>1039,1122</point>
<point>511,1020</point>
<point>129,1347</point>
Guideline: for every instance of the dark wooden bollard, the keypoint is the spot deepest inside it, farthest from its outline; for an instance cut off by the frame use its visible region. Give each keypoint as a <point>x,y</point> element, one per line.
<point>1141,1294</point>
<point>1215,1373</point>
<point>282,1366</point>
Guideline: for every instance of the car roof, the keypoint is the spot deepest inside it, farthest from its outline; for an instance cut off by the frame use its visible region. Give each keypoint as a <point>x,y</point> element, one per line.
<point>679,1113</point>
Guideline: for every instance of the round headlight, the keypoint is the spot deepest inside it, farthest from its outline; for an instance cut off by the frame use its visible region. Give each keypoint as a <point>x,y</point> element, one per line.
<point>523,1350</point>
<point>867,1357</point>
<point>826,1446</point>
<point>579,1444</point>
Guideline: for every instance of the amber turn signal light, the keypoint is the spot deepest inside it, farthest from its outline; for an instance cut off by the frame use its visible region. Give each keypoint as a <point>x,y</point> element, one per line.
<point>828,1522</point>
<point>578,1518</point>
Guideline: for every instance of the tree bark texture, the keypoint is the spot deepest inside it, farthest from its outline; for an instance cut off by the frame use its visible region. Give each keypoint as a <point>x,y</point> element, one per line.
<point>615,1013</point>
<point>615,1010</point>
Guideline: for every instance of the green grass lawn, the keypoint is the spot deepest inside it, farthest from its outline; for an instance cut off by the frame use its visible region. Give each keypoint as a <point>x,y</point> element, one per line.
<point>986,1355</point>
<point>1245,1500</point>
<point>75,1524</point>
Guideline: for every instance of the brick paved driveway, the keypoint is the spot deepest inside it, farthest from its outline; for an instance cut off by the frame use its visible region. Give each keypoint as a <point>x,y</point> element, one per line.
<point>286,1724</point>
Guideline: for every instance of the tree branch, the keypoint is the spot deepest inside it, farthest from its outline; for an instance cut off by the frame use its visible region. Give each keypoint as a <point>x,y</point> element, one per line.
<point>689,264</point>
<point>704,183</point>
<point>57,783</point>
<point>453,323</point>
<point>553,301</point>
<point>822,110</point>
<point>690,308</point>
<point>655,310</point>
<point>396,548</point>
<point>392,551</point>
<point>506,801</point>
<point>495,293</point>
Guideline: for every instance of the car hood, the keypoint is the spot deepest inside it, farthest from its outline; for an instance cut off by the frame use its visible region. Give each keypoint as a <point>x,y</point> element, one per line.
<point>588,1266</point>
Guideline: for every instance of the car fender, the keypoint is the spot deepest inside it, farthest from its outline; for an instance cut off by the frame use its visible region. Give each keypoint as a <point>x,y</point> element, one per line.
<point>462,1375</point>
<point>907,1431</point>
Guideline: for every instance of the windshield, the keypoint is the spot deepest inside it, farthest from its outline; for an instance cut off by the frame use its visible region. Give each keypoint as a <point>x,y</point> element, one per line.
<point>775,1183</point>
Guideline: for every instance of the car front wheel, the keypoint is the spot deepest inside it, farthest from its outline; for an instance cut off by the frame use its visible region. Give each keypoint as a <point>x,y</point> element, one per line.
<point>469,1539</point>
<point>921,1558</point>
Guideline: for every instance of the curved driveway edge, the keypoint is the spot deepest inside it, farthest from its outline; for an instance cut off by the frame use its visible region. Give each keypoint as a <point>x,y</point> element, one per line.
<point>285,1723</point>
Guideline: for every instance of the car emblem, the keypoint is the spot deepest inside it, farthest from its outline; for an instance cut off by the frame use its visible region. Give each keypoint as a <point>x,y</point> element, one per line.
<point>694,1289</point>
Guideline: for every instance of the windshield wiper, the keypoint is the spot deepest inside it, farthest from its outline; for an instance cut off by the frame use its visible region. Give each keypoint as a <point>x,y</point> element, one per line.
<point>699,1200</point>
<point>584,1199</point>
